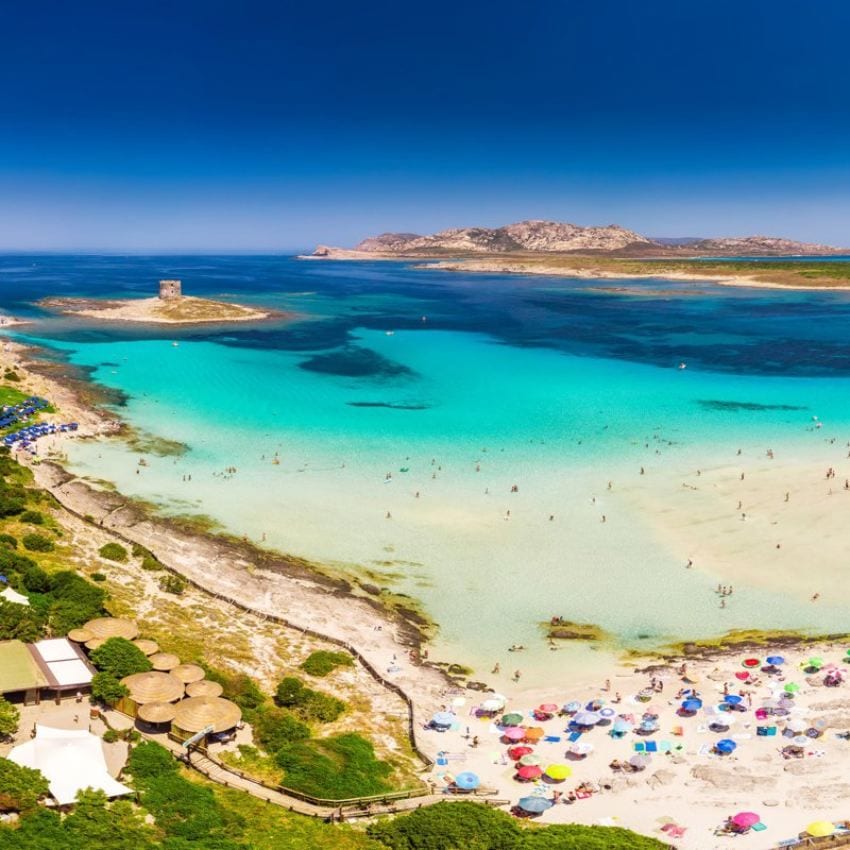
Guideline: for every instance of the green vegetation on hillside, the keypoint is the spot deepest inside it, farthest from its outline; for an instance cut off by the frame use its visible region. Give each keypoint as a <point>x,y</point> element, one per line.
<point>472,826</point>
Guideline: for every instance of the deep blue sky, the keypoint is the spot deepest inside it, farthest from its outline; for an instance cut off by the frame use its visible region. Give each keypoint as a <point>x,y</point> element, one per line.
<point>153,126</point>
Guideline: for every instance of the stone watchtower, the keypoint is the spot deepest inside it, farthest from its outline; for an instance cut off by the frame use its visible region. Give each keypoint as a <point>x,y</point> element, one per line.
<point>169,289</point>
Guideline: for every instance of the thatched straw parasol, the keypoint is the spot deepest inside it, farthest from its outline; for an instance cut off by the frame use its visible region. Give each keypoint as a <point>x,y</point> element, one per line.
<point>164,661</point>
<point>94,643</point>
<point>80,635</point>
<point>107,627</point>
<point>156,712</point>
<point>153,687</point>
<point>204,688</point>
<point>149,647</point>
<point>188,673</point>
<point>196,713</point>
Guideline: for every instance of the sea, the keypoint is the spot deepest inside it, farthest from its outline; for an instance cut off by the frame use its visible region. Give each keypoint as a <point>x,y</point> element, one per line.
<point>460,438</point>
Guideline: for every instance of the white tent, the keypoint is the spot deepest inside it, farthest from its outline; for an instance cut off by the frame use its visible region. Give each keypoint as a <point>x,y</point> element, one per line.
<point>71,760</point>
<point>13,596</point>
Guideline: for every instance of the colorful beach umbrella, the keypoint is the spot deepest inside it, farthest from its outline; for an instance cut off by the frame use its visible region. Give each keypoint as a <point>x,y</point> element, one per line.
<point>530,771</point>
<point>534,733</point>
<point>586,718</point>
<point>530,759</point>
<point>534,805</point>
<point>622,725</point>
<point>725,746</point>
<point>775,660</point>
<point>797,724</point>
<point>493,703</point>
<point>516,753</point>
<point>558,772</point>
<point>512,719</point>
<point>733,699</point>
<point>800,741</point>
<point>751,662</point>
<point>792,688</point>
<point>467,780</point>
<point>547,708</point>
<point>581,749</point>
<point>573,707</point>
<point>443,718</point>
<point>820,828</point>
<point>745,819</point>
<point>691,705</point>
<point>607,713</point>
<point>514,733</point>
<point>815,663</point>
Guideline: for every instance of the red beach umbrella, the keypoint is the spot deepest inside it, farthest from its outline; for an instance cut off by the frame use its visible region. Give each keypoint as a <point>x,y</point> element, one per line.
<point>516,753</point>
<point>751,662</point>
<point>530,771</point>
<point>547,708</point>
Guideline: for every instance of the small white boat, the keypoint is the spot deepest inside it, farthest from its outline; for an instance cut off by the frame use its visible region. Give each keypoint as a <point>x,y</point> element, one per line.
<point>175,344</point>
<point>390,333</point>
<point>683,365</point>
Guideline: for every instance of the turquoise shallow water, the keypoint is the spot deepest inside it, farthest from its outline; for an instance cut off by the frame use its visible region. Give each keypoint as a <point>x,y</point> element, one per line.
<point>459,408</point>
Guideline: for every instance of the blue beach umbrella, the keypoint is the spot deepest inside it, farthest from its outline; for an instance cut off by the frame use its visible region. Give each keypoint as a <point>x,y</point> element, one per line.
<point>725,746</point>
<point>622,725</point>
<point>443,718</point>
<point>467,780</point>
<point>733,699</point>
<point>775,660</point>
<point>692,705</point>
<point>535,805</point>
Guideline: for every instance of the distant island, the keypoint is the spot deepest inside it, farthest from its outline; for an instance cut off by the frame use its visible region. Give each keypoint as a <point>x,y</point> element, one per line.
<point>170,307</point>
<point>570,250</point>
<point>557,237</point>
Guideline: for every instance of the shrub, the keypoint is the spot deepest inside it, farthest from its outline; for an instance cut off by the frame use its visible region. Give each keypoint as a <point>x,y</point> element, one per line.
<point>275,728</point>
<point>37,543</point>
<point>119,657</point>
<point>238,687</point>
<point>149,760</point>
<point>9,540</point>
<point>171,583</point>
<point>150,563</point>
<point>462,825</point>
<point>307,703</point>
<point>110,736</point>
<point>107,689</point>
<point>322,662</point>
<point>11,375</point>
<point>113,552</point>
<point>9,718</point>
<point>98,577</point>
<point>32,517</point>
<point>334,768</point>
<point>20,622</point>
<point>20,787</point>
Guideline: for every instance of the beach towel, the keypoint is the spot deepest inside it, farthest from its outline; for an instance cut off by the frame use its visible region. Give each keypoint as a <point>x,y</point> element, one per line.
<point>759,827</point>
<point>640,747</point>
<point>442,761</point>
<point>771,730</point>
<point>705,749</point>
<point>574,737</point>
<point>665,746</point>
<point>678,730</point>
<point>553,739</point>
<point>651,747</point>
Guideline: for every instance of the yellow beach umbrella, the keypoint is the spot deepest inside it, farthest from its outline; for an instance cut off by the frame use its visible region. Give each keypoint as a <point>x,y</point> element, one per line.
<point>820,828</point>
<point>559,772</point>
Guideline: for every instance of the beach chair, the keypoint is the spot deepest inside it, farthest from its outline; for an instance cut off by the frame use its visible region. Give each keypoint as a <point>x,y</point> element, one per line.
<point>651,747</point>
<point>678,730</point>
<point>574,736</point>
<point>552,739</point>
